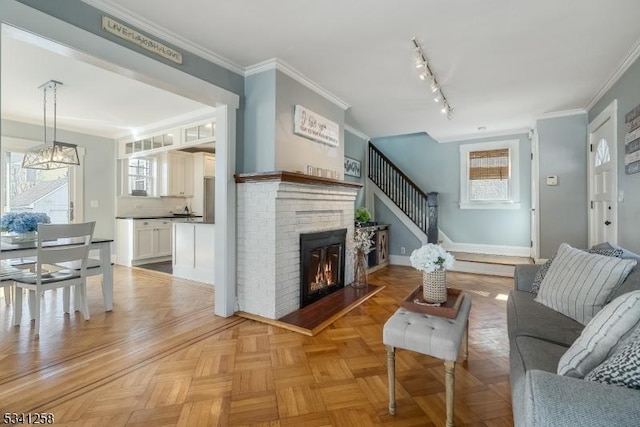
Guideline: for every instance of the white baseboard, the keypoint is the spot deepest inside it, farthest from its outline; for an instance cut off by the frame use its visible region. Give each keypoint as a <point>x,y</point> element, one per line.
<point>474,248</point>
<point>399,260</point>
<point>447,243</point>
<point>464,266</point>
<point>481,268</point>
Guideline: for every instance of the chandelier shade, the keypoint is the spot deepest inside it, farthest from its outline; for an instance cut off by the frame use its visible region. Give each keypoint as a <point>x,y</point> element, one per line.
<point>54,155</point>
<point>51,156</point>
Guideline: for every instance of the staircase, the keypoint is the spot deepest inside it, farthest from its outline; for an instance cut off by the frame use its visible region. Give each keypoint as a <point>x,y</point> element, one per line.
<point>419,212</point>
<point>420,207</point>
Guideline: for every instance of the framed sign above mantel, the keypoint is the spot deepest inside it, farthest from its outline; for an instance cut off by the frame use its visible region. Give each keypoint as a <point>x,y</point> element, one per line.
<point>311,125</point>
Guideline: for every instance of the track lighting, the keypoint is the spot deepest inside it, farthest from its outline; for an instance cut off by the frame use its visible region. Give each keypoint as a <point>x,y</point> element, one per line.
<point>425,73</point>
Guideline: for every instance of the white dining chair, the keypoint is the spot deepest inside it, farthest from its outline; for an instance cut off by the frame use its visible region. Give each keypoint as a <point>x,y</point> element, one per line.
<point>94,268</point>
<point>56,243</point>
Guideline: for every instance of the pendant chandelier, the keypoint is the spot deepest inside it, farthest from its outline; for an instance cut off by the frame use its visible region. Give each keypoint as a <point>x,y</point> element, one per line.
<point>53,155</point>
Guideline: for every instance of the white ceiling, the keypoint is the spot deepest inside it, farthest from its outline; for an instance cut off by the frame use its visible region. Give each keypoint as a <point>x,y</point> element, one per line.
<point>90,100</point>
<point>501,63</point>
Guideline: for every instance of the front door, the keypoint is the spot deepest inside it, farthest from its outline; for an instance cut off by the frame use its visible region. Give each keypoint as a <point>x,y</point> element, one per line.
<point>603,178</point>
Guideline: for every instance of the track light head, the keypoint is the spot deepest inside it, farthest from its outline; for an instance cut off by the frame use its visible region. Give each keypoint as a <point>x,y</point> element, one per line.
<point>425,73</point>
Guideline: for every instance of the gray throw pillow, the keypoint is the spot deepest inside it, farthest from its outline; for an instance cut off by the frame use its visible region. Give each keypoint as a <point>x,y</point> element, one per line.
<point>578,283</point>
<point>542,271</point>
<point>603,333</point>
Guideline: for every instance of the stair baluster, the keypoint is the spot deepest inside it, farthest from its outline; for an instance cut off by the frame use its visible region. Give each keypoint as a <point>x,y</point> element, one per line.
<point>420,207</point>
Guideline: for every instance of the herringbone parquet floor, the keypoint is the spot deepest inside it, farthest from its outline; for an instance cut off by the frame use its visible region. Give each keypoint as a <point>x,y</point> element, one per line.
<point>161,358</point>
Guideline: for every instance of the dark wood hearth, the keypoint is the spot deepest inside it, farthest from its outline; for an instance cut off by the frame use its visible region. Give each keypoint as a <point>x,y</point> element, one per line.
<point>312,319</point>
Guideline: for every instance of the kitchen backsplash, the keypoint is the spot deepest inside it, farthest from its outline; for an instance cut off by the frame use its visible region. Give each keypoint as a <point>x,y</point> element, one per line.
<point>141,206</point>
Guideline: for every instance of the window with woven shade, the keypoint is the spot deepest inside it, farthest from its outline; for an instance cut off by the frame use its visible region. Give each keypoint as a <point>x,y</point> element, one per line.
<point>489,175</point>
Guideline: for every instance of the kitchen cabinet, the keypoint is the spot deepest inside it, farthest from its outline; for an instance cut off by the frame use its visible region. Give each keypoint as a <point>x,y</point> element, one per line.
<point>209,166</point>
<point>177,174</point>
<point>140,240</point>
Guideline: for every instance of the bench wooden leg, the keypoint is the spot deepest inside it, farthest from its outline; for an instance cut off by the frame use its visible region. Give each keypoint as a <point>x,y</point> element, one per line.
<point>449,377</point>
<point>391,370</point>
<point>465,342</point>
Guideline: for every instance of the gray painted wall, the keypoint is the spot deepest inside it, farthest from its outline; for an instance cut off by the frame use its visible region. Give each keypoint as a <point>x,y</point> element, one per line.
<point>399,235</point>
<point>356,148</point>
<point>87,17</point>
<point>293,152</point>
<point>270,143</point>
<point>563,208</point>
<point>99,167</point>
<point>436,167</point>
<point>627,91</point>
<point>260,122</point>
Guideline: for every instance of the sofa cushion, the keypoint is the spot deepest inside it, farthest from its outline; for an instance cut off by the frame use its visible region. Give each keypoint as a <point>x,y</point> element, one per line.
<point>623,367</point>
<point>538,354</point>
<point>599,338</point>
<point>525,317</point>
<point>578,283</point>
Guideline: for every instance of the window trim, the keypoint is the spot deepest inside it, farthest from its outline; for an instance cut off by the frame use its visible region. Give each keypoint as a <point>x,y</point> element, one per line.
<point>514,181</point>
<point>153,184</point>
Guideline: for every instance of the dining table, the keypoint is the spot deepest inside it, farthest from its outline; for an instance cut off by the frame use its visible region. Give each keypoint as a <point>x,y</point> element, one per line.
<point>29,249</point>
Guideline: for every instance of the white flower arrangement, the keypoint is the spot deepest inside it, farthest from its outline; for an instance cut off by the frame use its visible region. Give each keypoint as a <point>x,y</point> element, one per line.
<point>362,240</point>
<point>431,257</point>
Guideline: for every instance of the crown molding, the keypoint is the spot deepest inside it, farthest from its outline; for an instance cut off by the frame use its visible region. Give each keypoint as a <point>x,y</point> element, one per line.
<point>145,25</point>
<point>558,114</point>
<point>280,65</point>
<point>483,135</point>
<point>632,55</point>
<point>356,132</point>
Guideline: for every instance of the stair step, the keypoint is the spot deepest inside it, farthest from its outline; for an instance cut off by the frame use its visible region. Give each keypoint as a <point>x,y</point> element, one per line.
<point>491,259</point>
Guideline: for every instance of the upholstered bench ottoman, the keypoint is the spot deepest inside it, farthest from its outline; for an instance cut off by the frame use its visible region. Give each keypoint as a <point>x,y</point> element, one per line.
<point>434,336</point>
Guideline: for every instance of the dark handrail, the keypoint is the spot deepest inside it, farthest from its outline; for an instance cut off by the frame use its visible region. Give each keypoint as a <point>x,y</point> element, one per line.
<point>399,171</point>
<point>420,207</point>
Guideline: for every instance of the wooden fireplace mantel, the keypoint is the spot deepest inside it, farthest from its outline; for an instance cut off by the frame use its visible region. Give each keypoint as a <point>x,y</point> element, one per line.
<point>294,177</point>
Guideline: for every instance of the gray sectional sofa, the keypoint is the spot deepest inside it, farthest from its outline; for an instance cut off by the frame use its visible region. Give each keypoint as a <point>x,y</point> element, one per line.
<point>538,337</point>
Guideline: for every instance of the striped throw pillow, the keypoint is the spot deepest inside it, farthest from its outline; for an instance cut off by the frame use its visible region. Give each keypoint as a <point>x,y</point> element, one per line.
<point>578,283</point>
<point>601,336</point>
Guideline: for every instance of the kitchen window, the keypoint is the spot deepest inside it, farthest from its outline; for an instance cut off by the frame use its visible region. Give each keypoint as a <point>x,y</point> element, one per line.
<point>141,176</point>
<point>489,175</point>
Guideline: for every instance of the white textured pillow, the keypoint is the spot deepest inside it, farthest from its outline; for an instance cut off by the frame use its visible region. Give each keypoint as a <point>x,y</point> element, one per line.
<point>601,335</point>
<point>578,283</point>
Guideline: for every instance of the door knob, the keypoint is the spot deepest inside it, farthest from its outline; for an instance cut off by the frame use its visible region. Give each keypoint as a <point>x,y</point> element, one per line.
<point>607,222</point>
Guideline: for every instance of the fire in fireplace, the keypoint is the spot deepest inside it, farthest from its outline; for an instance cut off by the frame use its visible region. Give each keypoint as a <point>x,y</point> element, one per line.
<point>321,264</point>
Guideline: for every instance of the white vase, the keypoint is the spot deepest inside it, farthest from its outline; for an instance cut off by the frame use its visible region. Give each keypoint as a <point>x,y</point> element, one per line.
<point>14,238</point>
<point>434,286</point>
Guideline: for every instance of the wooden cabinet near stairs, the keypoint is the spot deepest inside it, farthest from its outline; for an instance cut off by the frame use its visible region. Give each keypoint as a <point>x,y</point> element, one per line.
<point>379,256</point>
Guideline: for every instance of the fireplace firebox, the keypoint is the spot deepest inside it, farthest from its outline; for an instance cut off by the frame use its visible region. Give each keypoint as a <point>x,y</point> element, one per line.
<point>321,264</point>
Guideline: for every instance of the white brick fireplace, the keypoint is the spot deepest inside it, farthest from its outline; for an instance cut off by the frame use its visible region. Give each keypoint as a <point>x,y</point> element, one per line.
<point>273,210</point>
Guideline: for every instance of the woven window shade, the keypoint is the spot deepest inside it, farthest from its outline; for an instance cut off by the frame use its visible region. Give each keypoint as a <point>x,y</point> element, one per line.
<point>489,164</point>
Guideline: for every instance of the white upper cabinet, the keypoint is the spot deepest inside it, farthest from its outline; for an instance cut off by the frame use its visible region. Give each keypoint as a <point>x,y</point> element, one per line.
<point>209,166</point>
<point>177,174</point>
